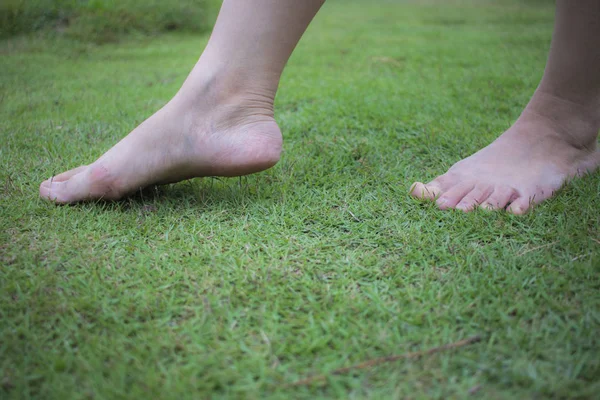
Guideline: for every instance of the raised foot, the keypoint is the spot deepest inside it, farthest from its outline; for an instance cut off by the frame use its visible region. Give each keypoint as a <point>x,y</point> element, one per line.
<point>176,143</point>
<point>523,167</point>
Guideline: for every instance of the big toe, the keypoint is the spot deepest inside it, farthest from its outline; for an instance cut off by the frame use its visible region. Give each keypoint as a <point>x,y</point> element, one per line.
<point>82,184</point>
<point>66,191</point>
<point>65,175</point>
<point>51,188</point>
<point>57,192</point>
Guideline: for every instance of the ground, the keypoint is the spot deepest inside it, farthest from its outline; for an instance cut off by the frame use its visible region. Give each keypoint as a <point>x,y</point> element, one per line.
<point>234,288</point>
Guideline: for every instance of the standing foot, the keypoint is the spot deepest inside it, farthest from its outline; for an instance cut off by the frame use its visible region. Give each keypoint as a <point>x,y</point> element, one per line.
<point>526,165</point>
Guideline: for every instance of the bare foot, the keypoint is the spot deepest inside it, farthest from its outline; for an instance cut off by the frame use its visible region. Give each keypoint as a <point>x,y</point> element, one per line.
<point>526,165</point>
<point>206,130</point>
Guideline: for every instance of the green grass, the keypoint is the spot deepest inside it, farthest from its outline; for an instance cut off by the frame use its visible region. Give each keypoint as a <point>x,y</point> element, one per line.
<point>102,21</point>
<point>233,288</point>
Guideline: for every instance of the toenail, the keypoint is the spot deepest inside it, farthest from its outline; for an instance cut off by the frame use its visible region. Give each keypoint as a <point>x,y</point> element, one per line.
<point>517,209</point>
<point>442,201</point>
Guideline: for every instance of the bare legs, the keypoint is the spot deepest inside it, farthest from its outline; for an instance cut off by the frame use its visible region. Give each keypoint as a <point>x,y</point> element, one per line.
<point>221,120</point>
<point>553,140</point>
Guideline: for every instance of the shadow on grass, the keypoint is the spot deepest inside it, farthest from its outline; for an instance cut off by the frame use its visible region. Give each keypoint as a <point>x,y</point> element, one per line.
<point>210,194</point>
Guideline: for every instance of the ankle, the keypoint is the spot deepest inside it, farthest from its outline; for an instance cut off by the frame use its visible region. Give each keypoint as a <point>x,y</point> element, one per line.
<point>221,85</point>
<point>572,122</point>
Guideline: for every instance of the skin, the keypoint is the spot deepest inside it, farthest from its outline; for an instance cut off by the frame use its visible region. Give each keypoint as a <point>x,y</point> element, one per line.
<point>553,140</point>
<point>220,123</point>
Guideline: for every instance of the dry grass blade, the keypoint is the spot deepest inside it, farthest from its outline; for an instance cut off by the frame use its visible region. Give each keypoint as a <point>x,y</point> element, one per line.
<point>536,248</point>
<point>381,360</point>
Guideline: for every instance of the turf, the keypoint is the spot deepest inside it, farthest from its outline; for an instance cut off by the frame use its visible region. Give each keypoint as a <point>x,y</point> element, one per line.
<point>103,21</point>
<point>234,288</point>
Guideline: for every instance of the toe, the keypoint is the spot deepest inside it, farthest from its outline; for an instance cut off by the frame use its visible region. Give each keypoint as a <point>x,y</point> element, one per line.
<point>524,203</point>
<point>520,205</point>
<point>67,191</point>
<point>50,187</point>
<point>474,198</point>
<point>54,191</point>
<point>499,198</point>
<point>66,175</point>
<point>423,191</point>
<point>89,183</point>
<point>451,197</point>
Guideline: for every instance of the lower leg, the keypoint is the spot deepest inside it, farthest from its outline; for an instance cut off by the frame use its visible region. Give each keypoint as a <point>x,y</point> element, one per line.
<point>552,141</point>
<point>221,120</point>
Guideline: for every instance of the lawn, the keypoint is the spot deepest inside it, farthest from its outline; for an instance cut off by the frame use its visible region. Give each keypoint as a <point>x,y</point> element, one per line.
<point>236,288</point>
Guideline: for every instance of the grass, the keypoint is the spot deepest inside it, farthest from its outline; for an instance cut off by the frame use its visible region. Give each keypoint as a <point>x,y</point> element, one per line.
<point>233,288</point>
<point>102,21</point>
